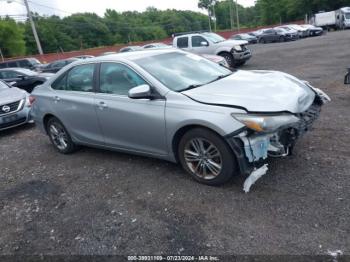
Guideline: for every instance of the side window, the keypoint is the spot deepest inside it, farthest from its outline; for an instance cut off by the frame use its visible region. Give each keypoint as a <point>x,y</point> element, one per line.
<point>81,78</point>
<point>60,83</point>
<point>196,41</point>
<point>24,63</point>
<point>58,64</point>
<point>118,79</point>
<point>3,65</point>
<point>182,42</point>
<point>12,64</point>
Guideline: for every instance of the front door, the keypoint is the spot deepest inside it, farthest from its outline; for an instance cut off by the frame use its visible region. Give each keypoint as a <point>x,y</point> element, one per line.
<point>129,124</point>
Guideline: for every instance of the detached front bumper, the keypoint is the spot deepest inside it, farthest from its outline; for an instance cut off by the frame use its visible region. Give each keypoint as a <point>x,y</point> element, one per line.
<point>252,149</point>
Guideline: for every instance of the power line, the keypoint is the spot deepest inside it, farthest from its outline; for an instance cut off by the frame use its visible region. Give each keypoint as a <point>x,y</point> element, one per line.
<point>50,7</point>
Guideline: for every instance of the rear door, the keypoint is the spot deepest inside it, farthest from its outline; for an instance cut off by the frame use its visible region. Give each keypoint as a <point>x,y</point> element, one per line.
<point>73,103</point>
<point>183,43</point>
<point>137,125</point>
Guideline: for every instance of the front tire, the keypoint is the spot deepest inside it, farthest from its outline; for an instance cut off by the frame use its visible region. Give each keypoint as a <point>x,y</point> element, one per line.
<point>206,157</point>
<point>229,58</point>
<point>59,136</point>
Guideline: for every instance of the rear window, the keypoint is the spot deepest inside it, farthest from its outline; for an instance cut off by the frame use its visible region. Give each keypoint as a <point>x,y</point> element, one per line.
<point>182,42</point>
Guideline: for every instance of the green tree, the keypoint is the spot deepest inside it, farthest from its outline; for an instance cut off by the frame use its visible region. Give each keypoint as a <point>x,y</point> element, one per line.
<point>11,38</point>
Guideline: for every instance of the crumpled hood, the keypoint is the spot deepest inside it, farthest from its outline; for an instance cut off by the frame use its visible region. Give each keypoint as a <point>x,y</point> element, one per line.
<point>257,91</point>
<point>11,95</point>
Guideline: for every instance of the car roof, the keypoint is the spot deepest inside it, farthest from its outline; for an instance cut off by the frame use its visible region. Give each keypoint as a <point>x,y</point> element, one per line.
<point>131,55</point>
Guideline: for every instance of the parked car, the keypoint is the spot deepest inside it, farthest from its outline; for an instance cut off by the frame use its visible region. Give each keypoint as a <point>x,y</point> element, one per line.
<point>303,32</point>
<point>289,30</point>
<point>271,36</point>
<point>130,49</point>
<point>313,30</point>
<point>180,107</point>
<point>29,63</point>
<point>257,32</point>
<point>15,105</point>
<point>216,59</point>
<point>250,38</point>
<point>24,78</point>
<point>84,56</point>
<point>56,66</point>
<point>235,52</point>
<point>156,45</point>
<point>108,53</point>
<point>288,36</point>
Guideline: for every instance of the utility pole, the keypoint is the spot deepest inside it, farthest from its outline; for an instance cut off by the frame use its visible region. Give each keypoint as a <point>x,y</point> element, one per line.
<point>2,57</point>
<point>214,17</point>
<point>237,16</point>
<point>33,28</point>
<point>231,13</point>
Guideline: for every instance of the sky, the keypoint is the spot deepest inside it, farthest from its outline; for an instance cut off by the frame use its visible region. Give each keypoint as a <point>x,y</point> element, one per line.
<point>67,7</point>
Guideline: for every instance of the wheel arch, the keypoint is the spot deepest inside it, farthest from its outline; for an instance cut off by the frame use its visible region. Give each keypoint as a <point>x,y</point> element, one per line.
<point>182,131</point>
<point>46,119</point>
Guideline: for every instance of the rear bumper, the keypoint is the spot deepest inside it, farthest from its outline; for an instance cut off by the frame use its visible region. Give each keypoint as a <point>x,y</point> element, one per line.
<point>16,119</point>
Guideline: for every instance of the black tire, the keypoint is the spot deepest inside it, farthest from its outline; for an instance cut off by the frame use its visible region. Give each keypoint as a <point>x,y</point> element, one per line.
<point>227,161</point>
<point>228,57</point>
<point>57,124</point>
<point>282,39</point>
<point>262,41</point>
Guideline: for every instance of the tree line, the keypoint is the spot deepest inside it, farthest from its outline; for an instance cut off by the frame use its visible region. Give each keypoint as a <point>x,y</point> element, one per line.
<point>86,30</point>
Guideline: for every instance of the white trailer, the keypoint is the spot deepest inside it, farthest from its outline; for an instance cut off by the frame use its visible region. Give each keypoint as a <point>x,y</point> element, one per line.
<point>325,19</point>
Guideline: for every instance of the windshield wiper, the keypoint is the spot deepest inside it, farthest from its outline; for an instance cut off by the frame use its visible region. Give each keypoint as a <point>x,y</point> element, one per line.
<point>219,77</point>
<point>190,87</point>
<point>198,85</point>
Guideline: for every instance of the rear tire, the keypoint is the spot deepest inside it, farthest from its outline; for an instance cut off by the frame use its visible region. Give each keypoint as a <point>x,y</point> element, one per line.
<point>59,136</point>
<point>206,157</point>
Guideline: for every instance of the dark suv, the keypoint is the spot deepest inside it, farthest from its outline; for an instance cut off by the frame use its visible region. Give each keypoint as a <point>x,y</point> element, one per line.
<point>29,63</point>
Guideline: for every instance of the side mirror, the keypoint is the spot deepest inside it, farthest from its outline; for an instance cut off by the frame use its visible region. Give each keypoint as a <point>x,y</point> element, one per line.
<point>204,43</point>
<point>347,78</point>
<point>140,92</point>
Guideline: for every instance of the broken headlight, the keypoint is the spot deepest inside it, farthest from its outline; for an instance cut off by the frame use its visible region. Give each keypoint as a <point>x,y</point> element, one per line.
<point>265,123</point>
<point>238,48</point>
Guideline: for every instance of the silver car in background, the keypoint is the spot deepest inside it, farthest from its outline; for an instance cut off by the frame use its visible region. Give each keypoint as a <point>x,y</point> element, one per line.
<point>15,106</point>
<point>180,107</point>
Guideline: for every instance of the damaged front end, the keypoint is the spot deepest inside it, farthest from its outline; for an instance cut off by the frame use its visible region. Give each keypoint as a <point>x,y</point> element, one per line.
<point>272,135</point>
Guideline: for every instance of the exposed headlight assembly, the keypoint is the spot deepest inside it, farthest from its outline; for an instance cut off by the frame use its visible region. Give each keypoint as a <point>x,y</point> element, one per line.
<point>238,48</point>
<point>261,123</point>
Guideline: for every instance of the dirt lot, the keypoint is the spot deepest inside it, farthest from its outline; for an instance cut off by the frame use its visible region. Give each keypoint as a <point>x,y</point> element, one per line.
<point>99,202</point>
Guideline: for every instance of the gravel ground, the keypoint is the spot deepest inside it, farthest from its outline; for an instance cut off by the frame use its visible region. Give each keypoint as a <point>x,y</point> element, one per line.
<point>100,202</point>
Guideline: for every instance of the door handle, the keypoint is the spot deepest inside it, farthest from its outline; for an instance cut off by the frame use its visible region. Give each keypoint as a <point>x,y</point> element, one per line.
<point>57,99</point>
<point>102,105</point>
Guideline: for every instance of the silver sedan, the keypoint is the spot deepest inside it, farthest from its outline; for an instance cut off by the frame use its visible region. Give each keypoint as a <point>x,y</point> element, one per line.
<point>180,107</point>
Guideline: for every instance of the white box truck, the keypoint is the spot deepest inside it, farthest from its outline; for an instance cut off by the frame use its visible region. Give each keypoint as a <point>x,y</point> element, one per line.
<point>338,19</point>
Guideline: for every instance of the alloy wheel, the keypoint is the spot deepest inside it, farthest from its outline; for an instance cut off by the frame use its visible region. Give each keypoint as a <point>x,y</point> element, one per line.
<point>59,136</point>
<point>203,158</point>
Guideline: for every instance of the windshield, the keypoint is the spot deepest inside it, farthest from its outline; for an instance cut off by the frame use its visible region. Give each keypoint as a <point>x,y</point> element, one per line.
<point>347,15</point>
<point>34,61</point>
<point>3,86</point>
<point>181,71</point>
<point>215,38</point>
